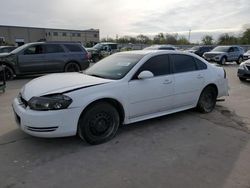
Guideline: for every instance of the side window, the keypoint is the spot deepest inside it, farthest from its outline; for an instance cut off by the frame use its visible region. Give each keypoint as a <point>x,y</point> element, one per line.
<point>200,65</point>
<point>183,63</point>
<point>53,48</point>
<point>73,48</point>
<point>35,49</point>
<point>231,49</point>
<point>158,65</point>
<point>236,49</point>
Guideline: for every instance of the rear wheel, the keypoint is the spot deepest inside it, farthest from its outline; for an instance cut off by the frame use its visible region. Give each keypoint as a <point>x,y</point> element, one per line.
<point>72,67</point>
<point>207,100</point>
<point>99,123</point>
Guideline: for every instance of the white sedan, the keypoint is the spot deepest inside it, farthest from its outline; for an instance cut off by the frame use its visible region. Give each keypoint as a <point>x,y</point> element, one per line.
<point>123,88</point>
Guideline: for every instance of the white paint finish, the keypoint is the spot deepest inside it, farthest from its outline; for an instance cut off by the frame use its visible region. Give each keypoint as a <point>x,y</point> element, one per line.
<point>141,99</point>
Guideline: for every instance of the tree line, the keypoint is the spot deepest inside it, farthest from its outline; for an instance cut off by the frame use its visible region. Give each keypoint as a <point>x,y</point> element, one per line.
<point>175,39</point>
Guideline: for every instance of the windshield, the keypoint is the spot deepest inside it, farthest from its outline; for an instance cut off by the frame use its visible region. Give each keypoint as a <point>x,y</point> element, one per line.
<point>195,48</point>
<point>19,48</point>
<point>98,46</point>
<point>221,49</point>
<point>115,66</point>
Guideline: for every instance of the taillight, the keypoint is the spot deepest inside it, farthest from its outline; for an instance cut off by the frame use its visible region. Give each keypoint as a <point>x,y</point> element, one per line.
<point>88,55</point>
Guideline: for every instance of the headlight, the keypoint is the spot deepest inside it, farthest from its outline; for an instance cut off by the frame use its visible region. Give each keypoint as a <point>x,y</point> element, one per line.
<point>242,66</point>
<point>50,102</point>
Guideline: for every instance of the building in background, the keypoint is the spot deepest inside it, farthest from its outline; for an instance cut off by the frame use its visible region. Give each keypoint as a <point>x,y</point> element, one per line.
<point>17,35</point>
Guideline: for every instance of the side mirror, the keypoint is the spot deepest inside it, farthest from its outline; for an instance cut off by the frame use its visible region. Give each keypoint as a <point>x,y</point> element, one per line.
<point>145,75</point>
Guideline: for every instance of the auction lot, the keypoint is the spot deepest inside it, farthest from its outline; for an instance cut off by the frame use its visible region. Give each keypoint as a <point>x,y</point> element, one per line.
<point>186,149</point>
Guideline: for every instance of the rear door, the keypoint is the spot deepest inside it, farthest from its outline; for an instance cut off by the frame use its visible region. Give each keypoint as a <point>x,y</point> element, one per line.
<point>32,59</point>
<point>55,57</point>
<point>189,80</point>
<point>155,94</point>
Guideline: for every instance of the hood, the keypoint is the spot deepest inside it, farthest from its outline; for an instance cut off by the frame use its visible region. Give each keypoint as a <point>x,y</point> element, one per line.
<point>247,53</point>
<point>4,54</point>
<point>215,53</point>
<point>59,83</point>
<point>191,51</point>
<point>91,49</point>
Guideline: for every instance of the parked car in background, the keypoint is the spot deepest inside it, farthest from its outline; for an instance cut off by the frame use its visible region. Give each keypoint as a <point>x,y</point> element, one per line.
<point>244,70</point>
<point>101,50</point>
<point>6,49</point>
<point>223,54</point>
<point>45,57</point>
<point>123,88</point>
<point>200,50</point>
<point>246,55</point>
<point>160,47</point>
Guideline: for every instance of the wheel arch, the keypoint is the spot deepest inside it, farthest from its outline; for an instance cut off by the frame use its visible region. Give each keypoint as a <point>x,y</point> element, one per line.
<point>72,61</point>
<point>9,65</point>
<point>114,102</point>
<point>211,85</point>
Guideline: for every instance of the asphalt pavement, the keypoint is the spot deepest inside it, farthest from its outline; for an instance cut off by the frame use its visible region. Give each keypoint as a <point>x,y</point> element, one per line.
<point>185,149</point>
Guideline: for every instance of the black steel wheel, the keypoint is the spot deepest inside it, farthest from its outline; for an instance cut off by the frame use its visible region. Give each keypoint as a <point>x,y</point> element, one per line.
<point>207,100</point>
<point>99,123</point>
<point>72,67</point>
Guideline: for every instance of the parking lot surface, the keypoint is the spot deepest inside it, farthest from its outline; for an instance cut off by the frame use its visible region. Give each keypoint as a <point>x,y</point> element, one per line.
<point>185,149</point>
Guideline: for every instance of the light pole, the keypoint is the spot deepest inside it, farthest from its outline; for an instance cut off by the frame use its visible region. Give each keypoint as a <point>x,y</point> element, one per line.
<point>189,35</point>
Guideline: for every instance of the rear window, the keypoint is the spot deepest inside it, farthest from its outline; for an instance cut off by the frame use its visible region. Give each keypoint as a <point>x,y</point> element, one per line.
<point>183,63</point>
<point>74,48</point>
<point>53,48</point>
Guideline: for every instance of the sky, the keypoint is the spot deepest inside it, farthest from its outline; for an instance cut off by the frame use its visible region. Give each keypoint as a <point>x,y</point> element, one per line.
<point>131,17</point>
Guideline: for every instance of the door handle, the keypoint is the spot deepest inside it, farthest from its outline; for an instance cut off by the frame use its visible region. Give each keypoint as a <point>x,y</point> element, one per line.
<point>167,82</point>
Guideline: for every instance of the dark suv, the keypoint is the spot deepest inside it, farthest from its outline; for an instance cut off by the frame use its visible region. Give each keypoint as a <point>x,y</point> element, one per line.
<point>45,57</point>
<point>100,50</point>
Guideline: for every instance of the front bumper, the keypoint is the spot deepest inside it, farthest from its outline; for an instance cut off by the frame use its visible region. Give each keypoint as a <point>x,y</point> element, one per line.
<point>57,123</point>
<point>214,59</point>
<point>243,73</point>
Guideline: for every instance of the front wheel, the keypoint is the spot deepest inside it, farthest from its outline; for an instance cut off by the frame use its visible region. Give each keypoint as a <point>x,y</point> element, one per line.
<point>8,72</point>
<point>207,100</point>
<point>240,59</point>
<point>223,60</point>
<point>99,123</point>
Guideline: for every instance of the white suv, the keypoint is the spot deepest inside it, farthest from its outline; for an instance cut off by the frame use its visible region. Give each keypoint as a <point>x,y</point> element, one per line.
<point>223,54</point>
<point>123,88</point>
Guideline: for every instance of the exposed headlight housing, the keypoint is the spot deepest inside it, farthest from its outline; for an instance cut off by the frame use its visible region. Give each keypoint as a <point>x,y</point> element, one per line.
<point>49,102</point>
<point>242,66</point>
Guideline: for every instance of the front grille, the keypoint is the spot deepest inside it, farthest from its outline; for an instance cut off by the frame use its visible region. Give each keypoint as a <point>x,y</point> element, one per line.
<point>248,67</point>
<point>210,55</point>
<point>41,129</point>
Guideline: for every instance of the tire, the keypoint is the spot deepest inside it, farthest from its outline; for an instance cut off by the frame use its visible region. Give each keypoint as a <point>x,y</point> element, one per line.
<point>239,61</point>
<point>223,60</point>
<point>99,123</point>
<point>72,67</point>
<point>242,79</point>
<point>95,59</point>
<point>9,73</point>
<point>207,100</point>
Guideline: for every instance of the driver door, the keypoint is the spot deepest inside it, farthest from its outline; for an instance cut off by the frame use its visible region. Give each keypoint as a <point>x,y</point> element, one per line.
<point>152,95</point>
